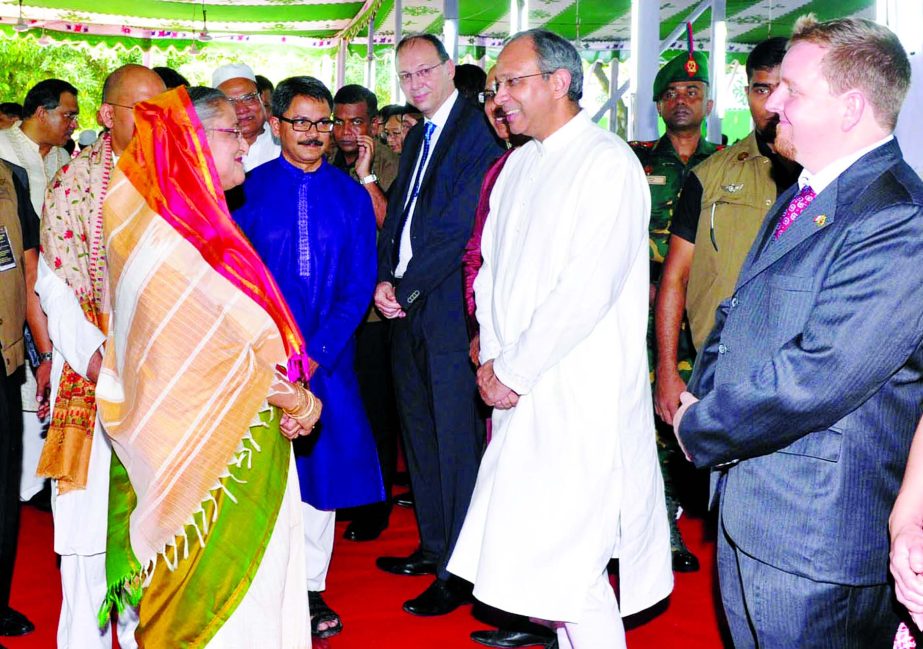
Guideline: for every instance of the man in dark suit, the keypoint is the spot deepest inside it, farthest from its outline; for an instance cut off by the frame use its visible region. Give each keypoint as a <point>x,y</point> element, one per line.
<point>811,382</point>
<point>429,220</point>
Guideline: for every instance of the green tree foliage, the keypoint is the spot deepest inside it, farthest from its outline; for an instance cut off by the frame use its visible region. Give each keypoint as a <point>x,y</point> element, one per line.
<point>23,63</point>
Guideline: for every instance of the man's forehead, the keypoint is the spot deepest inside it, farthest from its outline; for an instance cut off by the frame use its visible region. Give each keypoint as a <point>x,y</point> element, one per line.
<point>237,85</point>
<point>683,85</point>
<point>352,110</point>
<point>67,100</point>
<point>305,105</point>
<point>417,53</point>
<point>518,54</point>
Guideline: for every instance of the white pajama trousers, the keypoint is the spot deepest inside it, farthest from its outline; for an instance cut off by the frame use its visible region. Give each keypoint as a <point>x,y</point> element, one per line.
<point>600,625</point>
<point>83,588</point>
<point>319,528</point>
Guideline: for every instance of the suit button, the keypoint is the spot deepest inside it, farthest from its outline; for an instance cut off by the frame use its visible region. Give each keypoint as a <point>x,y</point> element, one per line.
<point>722,348</point>
<point>734,301</point>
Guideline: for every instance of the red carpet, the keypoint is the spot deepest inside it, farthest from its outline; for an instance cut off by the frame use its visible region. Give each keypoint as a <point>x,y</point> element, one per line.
<point>369,600</point>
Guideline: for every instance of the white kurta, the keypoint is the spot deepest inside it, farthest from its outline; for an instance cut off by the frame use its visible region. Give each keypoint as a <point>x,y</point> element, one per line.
<point>263,149</point>
<point>81,515</point>
<point>570,478</point>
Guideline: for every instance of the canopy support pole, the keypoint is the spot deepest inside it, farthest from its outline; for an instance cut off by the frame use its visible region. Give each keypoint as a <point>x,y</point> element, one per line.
<point>370,57</point>
<point>718,66</point>
<point>396,95</point>
<point>450,28</point>
<point>645,59</point>
<point>341,64</point>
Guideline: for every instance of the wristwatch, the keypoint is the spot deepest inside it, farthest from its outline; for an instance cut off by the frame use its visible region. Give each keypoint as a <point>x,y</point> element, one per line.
<point>45,356</point>
<point>371,178</point>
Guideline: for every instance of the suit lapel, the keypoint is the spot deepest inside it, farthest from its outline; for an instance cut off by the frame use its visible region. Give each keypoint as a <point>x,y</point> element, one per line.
<point>818,215</point>
<point>446,139</point>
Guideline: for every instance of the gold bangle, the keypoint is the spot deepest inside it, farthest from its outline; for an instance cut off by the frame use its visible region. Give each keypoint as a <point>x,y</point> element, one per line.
<point>303,409</point>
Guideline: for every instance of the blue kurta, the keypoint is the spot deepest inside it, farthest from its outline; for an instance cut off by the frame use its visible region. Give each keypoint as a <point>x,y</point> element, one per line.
<point>316,233</point>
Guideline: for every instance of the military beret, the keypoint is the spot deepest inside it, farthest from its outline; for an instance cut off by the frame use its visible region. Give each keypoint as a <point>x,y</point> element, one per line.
<point>682,67</point>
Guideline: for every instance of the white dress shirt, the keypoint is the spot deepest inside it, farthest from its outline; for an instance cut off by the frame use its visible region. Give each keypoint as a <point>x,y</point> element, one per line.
<point>441,116</point>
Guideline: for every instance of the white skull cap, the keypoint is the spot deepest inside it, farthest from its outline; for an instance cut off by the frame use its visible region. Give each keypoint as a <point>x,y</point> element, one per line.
<point>232,71</point>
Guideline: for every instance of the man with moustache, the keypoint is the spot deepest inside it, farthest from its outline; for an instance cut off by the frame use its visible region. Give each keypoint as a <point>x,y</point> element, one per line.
<point>314,227</point>
<point>808,390</point>
<point>373,167</point>
<point>50,113</point>
<point>681,91</point>
<point>73,289</point>
<point>570,477</point>
<point>430,218</point>
<point>721,209</point>
<point>238,82</point>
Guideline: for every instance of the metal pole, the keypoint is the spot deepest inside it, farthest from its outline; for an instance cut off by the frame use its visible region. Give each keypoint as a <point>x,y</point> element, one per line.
<point>396,96</point>
<point>341,64</point>
<point>370,57</point>
<point>450,28</point>
<point>645,59</point>
<point>613,92</point>
<point>718,66</point>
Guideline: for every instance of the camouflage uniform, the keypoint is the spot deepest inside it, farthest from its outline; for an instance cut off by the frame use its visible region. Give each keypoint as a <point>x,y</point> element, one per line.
<point>666,174</point>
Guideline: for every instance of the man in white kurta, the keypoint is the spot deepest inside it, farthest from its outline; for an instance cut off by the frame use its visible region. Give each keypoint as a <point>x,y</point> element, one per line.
<point>71,269</point>
<point>570,478</point>
<point>36,144</point>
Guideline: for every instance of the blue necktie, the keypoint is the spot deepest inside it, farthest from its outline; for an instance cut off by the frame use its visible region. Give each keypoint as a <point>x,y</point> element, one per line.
<point>428,129</point>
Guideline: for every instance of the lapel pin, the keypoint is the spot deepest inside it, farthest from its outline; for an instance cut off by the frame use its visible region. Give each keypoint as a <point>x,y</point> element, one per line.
<point>733,189</point>
<point>820,220</point>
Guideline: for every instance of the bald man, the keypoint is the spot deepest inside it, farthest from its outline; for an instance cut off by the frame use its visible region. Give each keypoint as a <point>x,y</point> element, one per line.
<point>72,288</point>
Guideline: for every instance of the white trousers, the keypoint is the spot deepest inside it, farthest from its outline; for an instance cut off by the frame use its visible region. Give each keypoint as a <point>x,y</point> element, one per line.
<point>600,625</point>
<point>32,443</point>
<point>83,588</point>
<point>318,545</point>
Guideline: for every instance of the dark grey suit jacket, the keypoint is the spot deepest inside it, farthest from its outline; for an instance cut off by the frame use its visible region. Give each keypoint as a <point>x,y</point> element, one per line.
<point>812,380</point>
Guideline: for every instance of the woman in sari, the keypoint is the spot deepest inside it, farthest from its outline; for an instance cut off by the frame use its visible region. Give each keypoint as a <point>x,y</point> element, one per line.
<point>204,520</point>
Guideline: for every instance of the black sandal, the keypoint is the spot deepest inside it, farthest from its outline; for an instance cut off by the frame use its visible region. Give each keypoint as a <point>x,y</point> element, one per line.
<point>320,614</point>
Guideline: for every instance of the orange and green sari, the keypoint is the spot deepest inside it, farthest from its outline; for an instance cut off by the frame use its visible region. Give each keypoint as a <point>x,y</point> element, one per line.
<point>196,330</point>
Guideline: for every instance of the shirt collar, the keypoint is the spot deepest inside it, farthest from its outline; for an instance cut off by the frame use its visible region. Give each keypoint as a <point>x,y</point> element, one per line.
<point>442,115</point>
<point>564,136</point>
<point>832,171</point>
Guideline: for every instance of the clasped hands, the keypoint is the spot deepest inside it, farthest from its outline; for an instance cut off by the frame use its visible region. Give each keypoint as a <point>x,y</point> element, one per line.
<point>493,391</point>
<point>300,408</point>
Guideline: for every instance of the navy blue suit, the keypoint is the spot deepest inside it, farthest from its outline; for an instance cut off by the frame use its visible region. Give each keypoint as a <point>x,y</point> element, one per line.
<point>434,380</point>
<point>811,385</point>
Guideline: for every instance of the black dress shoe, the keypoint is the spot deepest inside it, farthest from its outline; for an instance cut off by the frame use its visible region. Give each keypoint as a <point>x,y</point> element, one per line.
<point>405,499</point>
<point>415,564</point>
<point>440,598</point>
<point>364,530</point>
<point>505,638</point>
<point>13,623</point>
<point>684,561</point>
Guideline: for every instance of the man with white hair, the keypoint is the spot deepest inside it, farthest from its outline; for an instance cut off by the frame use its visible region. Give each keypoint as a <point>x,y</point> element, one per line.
<point>238,82</point>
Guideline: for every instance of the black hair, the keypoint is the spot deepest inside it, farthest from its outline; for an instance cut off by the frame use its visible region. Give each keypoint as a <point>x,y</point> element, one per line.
<point>171,78</point>
<point>470,80</point>
<point>45,94</point>
<point>262,83</point>
<point>12,109</point>
<point>356,94</point>
<point>292,87</point>
<point>766,55</point>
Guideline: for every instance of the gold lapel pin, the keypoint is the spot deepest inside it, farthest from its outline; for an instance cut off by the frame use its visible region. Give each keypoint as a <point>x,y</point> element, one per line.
<point>820,220</point>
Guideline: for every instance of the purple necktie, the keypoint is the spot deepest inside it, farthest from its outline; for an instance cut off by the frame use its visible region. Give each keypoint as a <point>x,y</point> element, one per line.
<point>798,205</point>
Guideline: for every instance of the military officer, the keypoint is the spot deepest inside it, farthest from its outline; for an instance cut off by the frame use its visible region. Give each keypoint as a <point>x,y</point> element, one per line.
<point>681,94</point>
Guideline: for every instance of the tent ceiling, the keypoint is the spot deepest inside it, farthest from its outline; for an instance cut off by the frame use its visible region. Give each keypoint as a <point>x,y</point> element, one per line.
<point>602,24</point>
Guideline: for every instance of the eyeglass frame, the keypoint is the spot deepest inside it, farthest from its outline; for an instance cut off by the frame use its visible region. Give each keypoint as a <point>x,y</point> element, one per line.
<point>422,74</point>
<point>236,131</point>
<point>249,98</point>
<point>70,117</point>
<point>112,103</point>
<point>302,121</point>
<point>483,96</point>
<point>512,82</point>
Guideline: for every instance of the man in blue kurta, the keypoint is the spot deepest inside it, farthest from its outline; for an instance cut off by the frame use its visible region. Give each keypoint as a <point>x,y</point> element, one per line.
<point>314,227</point>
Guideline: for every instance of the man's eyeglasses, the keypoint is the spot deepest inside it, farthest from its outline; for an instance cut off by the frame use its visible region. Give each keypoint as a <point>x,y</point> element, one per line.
<point>236,132</point>
<point>486,95</point>
<point>512,82</point>
<point>112,103</point>
<point>303,125</point>
<point>423,74</point>
<point>68,117</point>
<point>249,98</point>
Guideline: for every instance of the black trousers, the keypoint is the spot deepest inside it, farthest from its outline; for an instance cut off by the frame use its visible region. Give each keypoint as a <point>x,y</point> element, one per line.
<point>443,435</point>
<point>376,385</point>
<point>10,471</point>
